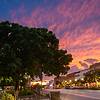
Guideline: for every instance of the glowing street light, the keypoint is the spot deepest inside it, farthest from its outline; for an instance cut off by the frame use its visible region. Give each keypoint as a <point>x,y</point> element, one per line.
<point>82,79</point>
<point>70,80</point>
<point>75,79</point>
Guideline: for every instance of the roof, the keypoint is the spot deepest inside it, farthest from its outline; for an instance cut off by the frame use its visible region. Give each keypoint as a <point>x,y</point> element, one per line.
<point>95,66</point>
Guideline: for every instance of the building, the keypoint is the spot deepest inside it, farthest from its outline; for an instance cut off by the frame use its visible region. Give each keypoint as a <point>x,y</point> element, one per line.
<point>80,74</point>
<point>95,66</point>
<point>72,76</point>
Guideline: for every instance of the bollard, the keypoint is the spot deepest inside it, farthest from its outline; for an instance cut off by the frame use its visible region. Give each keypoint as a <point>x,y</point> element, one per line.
<point>55,95</point>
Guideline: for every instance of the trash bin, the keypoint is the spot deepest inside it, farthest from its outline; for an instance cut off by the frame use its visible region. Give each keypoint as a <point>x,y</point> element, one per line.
<point>55,95</point>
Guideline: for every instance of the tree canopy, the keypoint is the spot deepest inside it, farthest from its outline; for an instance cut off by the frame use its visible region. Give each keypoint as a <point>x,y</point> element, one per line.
<point>92,76</point>
<point>30,51</point>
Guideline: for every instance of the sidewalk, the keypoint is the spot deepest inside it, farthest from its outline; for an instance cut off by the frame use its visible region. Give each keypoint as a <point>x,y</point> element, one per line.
<point>87,93</point>
<point>66,94</point>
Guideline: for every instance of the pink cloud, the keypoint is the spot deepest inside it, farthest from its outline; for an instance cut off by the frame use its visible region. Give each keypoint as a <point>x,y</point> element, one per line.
<point>79,36</point>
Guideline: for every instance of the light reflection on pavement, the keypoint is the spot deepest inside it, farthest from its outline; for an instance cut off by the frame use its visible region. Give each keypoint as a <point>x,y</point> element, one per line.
<point>75,97</point>
<point>85,93</point>
<point>74,94</point>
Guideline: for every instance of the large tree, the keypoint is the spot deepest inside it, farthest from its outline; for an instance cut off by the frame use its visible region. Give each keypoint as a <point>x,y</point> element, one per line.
<point>30,51</point>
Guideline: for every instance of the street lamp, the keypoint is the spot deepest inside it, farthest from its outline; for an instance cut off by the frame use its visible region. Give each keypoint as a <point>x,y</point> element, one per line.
<point>75,79</point>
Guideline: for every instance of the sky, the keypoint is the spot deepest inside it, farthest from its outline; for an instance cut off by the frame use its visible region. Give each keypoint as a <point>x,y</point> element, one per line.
<point>76,24</point>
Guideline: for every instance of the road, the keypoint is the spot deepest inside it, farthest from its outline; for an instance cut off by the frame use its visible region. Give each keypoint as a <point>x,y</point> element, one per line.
<point>70,94</point>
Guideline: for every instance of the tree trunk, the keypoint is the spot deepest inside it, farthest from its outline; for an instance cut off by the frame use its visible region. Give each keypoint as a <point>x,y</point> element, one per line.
<point>40,75</point>
<point>16,90</point>
<point>41,79</point>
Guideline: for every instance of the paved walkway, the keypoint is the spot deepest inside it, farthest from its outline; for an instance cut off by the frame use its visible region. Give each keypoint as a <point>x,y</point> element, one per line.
<point>75,97</point>
<point>70,94</point>
<point>83,93</point>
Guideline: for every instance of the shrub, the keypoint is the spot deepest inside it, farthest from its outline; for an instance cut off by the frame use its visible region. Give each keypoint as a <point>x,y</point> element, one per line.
<point>11,92</point>
<point>94,88</point>
<point>7,96</point>
<point>26,92</point>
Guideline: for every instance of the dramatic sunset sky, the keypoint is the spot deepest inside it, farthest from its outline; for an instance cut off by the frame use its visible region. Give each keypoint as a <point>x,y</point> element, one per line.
<point>75,22</point>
